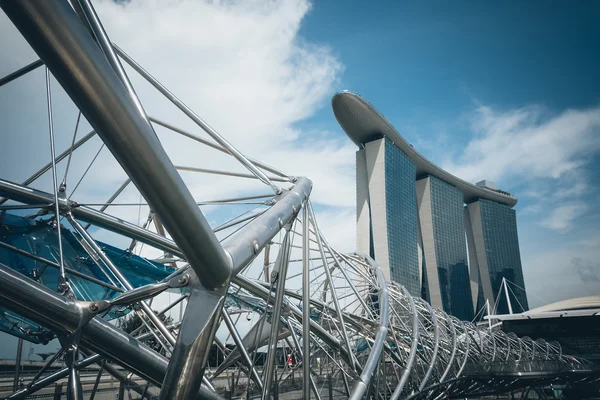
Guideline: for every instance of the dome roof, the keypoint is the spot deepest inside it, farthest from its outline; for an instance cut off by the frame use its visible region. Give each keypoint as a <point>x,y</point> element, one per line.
<point>579,303</point>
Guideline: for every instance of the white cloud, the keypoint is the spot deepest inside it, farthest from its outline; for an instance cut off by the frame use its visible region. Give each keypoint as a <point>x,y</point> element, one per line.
<point>240,65</point>
<point>591,240</point>
<point>339,227</point>
<point>561,218</point>
<point>545,160</point>
<point>544,155</point>
<point>243,68</point>
<point>521,143</point>
<point>560,273</point>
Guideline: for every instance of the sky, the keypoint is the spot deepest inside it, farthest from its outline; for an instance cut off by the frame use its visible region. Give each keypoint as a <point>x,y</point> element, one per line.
<point>507,92</point>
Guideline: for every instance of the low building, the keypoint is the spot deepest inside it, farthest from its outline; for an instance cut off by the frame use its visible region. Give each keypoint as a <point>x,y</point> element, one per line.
<point>574,324</point>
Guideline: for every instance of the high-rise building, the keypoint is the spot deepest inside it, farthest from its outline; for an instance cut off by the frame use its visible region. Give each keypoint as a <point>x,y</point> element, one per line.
<point>444,239</point>
<point>387,211</point>
<point>441,215</point>
<point>495,255</point>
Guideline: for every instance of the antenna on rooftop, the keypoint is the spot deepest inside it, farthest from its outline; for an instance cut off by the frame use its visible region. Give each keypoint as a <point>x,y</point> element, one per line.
<point>510,309</point>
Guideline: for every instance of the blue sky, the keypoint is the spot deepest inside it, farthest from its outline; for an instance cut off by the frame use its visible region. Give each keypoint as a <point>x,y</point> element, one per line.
<point>443,73</point>
<point>508,92</point>
<point>429,59</point>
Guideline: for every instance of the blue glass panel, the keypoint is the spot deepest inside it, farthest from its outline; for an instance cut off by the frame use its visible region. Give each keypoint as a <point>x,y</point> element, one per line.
<point>314,315</point>
<point>447,211</point>
<point>499,223</point>
<point>401,210</point>
<point>362,345</point>
<point>36,236</point>
<point>18,326</point>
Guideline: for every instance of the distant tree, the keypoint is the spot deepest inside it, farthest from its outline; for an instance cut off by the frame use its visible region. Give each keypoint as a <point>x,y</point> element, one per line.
<point>132,321</point>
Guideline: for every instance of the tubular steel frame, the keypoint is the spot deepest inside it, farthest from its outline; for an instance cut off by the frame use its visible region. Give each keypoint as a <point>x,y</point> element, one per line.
<point>380,341</point>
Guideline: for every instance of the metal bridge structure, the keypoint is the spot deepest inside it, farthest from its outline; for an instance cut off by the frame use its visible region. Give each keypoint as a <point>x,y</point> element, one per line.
<point>70,269</point>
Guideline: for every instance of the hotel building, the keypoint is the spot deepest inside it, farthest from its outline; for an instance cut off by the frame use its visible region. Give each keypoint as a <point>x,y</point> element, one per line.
<point>444,239</point>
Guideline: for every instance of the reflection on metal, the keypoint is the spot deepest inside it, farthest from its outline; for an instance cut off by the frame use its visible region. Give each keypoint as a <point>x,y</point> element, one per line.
<point>333,319</point>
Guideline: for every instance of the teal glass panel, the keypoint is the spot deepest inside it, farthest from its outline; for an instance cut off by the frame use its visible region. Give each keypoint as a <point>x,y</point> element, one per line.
<point>447,211</point>
<point>38,237</point>
<point>401,211</point>
<point>499,223</point>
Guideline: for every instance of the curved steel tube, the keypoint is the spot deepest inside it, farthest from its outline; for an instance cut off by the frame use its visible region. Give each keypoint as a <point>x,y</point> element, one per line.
<point>453,333</point>
<point>55,32</point>
<point>436,335</point>
<point>377,348</point>
<point>79,63</point>
<point>24,296</point>
<point>413,345</point>
<point>240,246</point>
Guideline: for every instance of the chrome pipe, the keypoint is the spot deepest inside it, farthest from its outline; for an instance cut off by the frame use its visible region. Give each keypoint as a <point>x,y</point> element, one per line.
<point>306,304</point>
<point>300,351</point>
<point>121,278</point>
<point>46,365</point>
<point>281,267</point>
<point>185,372</point>
<point>259,164</point>
<point>63,285</point>
<point>58,159</point>
<point>263,293</point>
<point>380,337</point>
<point>86,171</point>
<point>115,195</point>
<point>243,246</point>
<point>120,376</point>
<point>453,354</point>
<point>436,335</point>
<point>18,363</point>
<point>283,210</point>
<point>257,336</point>
<point>333,253</point>
<point>413,346</point>
<point>112,198</point>
<point>60,314</point>
<point>20,72</point>
<point>161,312</point>
<point>225,173</point>
<point>55,265</point>
<point>56,33</point>
<point>240,345</point>
<point>467,346</point>
<point>50,379</point>
<point>236,199</point>
<point>238,220</point>
<point>199,121</point>
<point>74,388</point>
<point>336,303</point>
<point>160,229</point>
<point>85,8</point>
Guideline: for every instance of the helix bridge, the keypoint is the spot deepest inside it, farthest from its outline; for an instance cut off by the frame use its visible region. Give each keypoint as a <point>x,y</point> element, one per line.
<point>249,272</point>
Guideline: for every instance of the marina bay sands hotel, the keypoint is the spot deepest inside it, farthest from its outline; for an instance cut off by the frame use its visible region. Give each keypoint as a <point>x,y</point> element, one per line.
<point>419,222</point>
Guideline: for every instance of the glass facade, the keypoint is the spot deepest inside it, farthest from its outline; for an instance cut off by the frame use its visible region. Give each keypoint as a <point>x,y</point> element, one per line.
<point>401,211</point>
<point>445,229</point>
<point>499,224</point>
<point>450,248</point>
